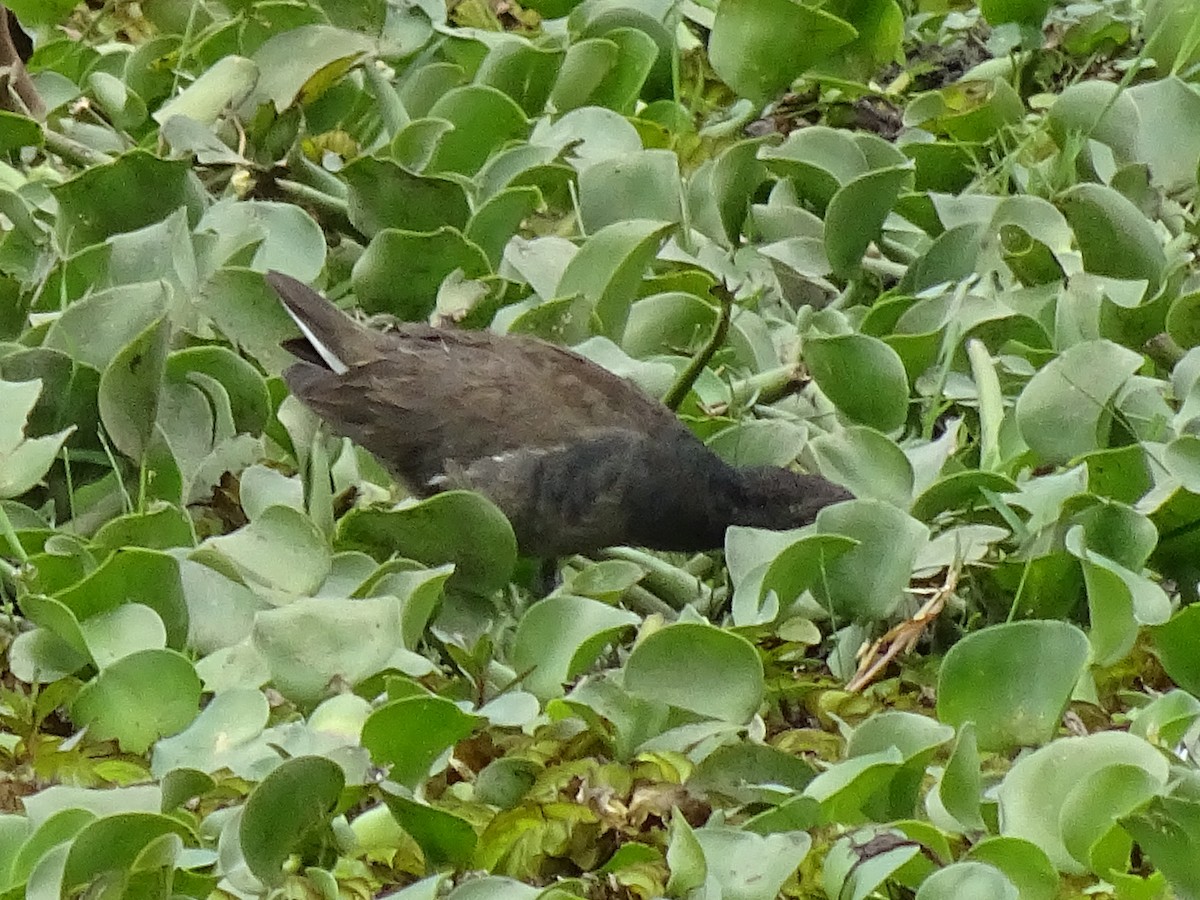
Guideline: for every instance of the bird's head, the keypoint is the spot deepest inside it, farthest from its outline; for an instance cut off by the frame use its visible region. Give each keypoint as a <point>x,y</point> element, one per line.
<point>771,497</point>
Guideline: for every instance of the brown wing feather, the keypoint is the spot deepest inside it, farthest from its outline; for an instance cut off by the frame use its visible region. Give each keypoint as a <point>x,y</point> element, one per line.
<point>432,395</point>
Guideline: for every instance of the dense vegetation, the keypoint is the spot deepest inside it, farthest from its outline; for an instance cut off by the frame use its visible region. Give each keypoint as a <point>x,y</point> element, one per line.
<point>942,254</point>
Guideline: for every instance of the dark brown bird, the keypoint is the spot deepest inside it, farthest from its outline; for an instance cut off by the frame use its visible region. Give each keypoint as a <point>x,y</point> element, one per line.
<point>576,457</point>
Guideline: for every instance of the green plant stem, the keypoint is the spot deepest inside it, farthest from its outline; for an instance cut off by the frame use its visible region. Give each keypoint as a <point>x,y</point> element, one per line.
<point>72,151</point>
<point>676,586</point>
<point>10,535</point>
<point>688,377</point>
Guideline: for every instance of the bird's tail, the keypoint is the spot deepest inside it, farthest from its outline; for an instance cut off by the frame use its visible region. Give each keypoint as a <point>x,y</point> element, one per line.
<point>331,338</point>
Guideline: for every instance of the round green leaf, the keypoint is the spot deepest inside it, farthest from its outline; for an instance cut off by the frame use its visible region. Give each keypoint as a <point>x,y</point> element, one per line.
<point>698,668</point>
<point>453,527</point>
<point>867,582</point>
<point>759,46</point>
<point>409,734</point>
<point>863,376</point>
<point>856,214</point>
<point>140,698</point>
<point>1065,410</point>
<point>560,636</point>
<point>1012,680</point>
<point>286,812</point>
<point>967,881</point>
<point>1036,789</point>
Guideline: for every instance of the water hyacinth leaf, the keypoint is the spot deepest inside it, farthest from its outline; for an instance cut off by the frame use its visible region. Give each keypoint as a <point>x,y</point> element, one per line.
<point>863,376</point>
<point>561,636</point>
<point>856,214</point>
<point>17,131</point>
<point>124,630</point>
<point>748,865</point>
<point>290,62</point>
<point>312,643</point>
<point>1119,600</point>
<point>867,582</point>
<point>282,549</point>
<point>409,735</point>
<point>130,387</point>
<point>286,811</point>
<point>1115,237</point>
<point>758,48</point>
<point>968,881</point>
<point>848,788</point>
<point>444,838</point>
<point>609,267</point>
<point>1183,320</point>
<point>1037,787</point>
<point>147,577</point>
<point>452,527</point>
<point>484,118</point>
<point>1168,831</point>
<point>419,592</point>
<point>495,222</point>
<point>960,789</point>
<point>1012,680</point>
<point>866,462</point>
<point>699,668</point>
<point>401,271</point>
<point>231,719</point>
<point>1024,863</point>
<point>383,195</point>
<point>117,844</point>
<point>282,236</point>
<point>1091,812</point>
<point>1167,109</point>
<point>624,81</point>
<point>23,461</point>
<point>140,698</point>
<point>793,570</point>
<point>644,185</point>
<point>1065,409</point>
<point>1175,643</point>
<point>521,71</point>
<point>131,192</point>
<point>586,64</point>
<point>223,85</point>
<point>1100,110</point>
<point>161,527</point>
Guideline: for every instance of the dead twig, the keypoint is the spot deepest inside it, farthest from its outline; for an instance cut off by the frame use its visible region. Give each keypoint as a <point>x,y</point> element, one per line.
<point>903,637</point>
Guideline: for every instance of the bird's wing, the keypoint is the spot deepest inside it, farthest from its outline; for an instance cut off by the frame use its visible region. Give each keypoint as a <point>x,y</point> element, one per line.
<point>564,498</point>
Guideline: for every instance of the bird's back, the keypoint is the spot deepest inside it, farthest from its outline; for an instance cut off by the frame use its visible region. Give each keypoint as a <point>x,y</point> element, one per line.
<point>426,396</point>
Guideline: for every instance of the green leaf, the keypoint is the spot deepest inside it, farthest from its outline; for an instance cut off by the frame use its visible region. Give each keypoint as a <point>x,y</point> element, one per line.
<point>1065,409</point>
<point>698,668</point>
<point>287,812</point>
<point>1115,237</point>
<point>281,549</point>
<point>409,735</point>
<point>967,881</point>
<point>129,390</point>
<point>23,461</point>
<point>856,214</point>
<point>608,269</point>
<point>1013,681</point>
<point>758,48</point>
<point>1034,793</point>
<point>401,271</point>
<point>131,192</point>
<point>139,698</point>
<point>452,527</point>
<point>867,583</point>
<point>863,376</point>
<point>561,636</point>
<point>444,838</point>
